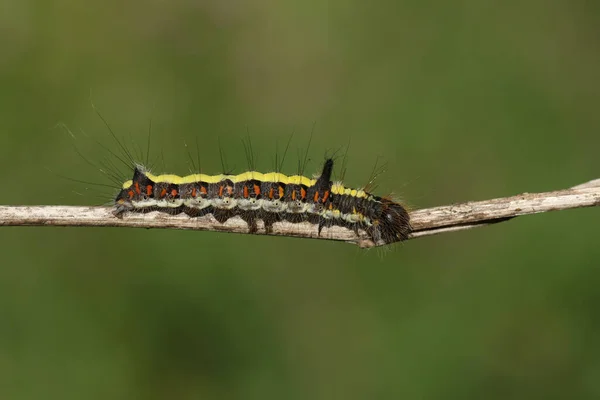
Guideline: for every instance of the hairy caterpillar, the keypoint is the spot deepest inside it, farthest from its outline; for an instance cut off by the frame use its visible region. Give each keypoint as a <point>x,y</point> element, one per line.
<point>271,197</point>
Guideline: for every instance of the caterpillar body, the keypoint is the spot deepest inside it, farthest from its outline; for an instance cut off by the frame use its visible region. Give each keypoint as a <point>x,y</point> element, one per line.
<point>271,197</point>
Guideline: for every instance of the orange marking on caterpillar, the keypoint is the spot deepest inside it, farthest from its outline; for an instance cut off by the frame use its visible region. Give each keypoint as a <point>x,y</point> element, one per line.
<point>203,190</point>
<point>194,191</point>
<point>163,193</point>
<point>271,193</point>
<point>246,194</point>
<point>148,190</point>
<point>280,192</point>
<point>316,198</point>
<point>137,188</point>
<point>229,190</point>
<point>293,195</point>
<point>130,194</point>
<point>220,191</point>
<point>256,189</point>
<point>302,193</point>
<point>174,193</point>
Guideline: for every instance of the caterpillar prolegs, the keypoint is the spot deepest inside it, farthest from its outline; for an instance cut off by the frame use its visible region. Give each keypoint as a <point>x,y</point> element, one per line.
<point>270,197</point>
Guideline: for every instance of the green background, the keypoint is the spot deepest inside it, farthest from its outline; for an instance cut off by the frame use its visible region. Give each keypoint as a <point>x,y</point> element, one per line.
<point>465,101</point>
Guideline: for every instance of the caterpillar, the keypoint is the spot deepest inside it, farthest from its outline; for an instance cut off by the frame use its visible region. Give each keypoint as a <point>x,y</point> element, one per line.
<point>270,197</point>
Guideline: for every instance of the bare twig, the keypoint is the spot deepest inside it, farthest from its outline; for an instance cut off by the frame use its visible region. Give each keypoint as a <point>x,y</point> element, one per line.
<point>425,222</point>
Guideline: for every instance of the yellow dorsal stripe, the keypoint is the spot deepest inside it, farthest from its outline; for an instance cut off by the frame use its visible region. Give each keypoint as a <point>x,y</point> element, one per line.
<point>338,188</point>
<point>245,176</point>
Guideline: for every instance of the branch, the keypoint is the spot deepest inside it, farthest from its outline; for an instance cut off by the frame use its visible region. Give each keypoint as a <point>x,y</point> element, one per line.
<point>428,221</point>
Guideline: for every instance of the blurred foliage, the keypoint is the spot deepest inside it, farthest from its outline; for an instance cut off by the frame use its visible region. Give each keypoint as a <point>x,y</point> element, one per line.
<point>464,100</point>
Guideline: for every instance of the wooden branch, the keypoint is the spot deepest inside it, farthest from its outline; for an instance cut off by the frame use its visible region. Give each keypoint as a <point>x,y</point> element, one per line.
<point>429,221</point>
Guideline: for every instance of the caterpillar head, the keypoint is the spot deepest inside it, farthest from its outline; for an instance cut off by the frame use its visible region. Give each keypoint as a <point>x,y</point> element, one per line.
<point>393,222</point>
